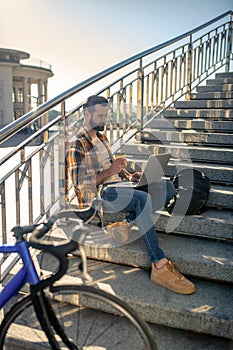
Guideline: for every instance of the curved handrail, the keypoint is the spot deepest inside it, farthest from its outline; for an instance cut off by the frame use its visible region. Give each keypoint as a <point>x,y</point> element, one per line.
<point>16,125</point>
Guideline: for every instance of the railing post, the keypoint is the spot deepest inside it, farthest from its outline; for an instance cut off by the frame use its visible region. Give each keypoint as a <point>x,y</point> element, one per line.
<point>189,69</point>
<point>229,46</point>
<point>140,82</point>
<point>3,212</point>
<point>63,144</point>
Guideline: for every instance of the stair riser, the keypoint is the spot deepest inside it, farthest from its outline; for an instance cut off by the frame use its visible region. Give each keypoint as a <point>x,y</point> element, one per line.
<point>195,226</point>
<point>190,263</point>
<point>211,95</point>
<point>220,81</point>
<point>206,311</point>
<point>220,200</point>
<point>224,75</point>
<point>188,137</point>
<point>201,125</point>
<point>217,199</point>
<point>214,88</point>
<point>182,151</point>
<point>188,321</point>
<point>222,176</point>
<point>218,175</point>
<point>218,114</point>
<point>205,104</point>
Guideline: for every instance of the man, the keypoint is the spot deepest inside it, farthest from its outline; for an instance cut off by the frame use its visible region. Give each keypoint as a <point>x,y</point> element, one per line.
<point>90,163</point>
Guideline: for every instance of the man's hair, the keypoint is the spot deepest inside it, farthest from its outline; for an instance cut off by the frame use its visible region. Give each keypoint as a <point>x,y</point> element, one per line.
<point>93,100</point>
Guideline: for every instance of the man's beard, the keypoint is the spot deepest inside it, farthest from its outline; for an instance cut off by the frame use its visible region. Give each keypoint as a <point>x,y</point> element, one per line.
<point>97,127</point>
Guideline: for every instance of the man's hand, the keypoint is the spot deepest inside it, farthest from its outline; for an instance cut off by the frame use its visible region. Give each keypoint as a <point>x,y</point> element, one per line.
<point>118,165</point>
<point>135,177</point>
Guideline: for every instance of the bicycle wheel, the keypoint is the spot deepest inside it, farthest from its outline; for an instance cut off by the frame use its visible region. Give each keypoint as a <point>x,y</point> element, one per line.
<point>92,320</point>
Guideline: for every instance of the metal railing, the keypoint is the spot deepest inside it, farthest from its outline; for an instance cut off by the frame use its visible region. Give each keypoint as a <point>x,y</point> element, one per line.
<point>32,180</point>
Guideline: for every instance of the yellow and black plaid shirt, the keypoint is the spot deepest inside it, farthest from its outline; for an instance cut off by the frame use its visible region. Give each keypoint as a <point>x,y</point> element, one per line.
<point>82,167</point>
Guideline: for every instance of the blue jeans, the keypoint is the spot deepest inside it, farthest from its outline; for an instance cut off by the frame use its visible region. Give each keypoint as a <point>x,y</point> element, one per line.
<point>141,206</point>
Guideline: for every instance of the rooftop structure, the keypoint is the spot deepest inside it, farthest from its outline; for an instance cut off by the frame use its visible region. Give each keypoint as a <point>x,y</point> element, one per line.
<point>22,85</point>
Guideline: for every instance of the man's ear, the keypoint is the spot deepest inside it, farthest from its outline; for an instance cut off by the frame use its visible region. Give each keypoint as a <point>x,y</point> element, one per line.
<point>87,115</point>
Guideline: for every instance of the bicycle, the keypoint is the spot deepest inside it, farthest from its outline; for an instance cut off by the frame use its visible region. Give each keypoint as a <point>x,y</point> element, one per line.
<point>64,316</point>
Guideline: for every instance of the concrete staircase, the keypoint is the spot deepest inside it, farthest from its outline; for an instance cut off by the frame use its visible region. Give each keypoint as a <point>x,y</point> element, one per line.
<point>198,134</point>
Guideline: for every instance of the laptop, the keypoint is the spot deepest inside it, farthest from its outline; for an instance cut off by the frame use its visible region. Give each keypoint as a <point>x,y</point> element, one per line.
<point>154,170</point>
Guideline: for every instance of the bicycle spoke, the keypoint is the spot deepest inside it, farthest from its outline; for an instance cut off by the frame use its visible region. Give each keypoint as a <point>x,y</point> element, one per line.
<point>91,320</point>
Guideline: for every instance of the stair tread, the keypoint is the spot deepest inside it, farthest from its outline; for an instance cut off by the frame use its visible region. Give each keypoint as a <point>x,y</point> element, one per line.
<point>168,338</point>
<point>194,256</point>
<point>214,95</point>
<point>195,124</point>
<point>208,310</point>
<point>197,153</point>
<point>214,88</point>
<point>213,223</point>
<point>212,103</point>
<point>187,136</point>
<point>214,114</point>
<point>181,162</point>
<point>141,147</point>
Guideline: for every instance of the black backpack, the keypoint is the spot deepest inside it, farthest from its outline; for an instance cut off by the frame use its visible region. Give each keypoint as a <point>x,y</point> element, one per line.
<point>192,192</point>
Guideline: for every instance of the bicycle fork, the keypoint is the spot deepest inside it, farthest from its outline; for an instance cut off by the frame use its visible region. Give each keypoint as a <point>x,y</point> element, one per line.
<point>49,321</point>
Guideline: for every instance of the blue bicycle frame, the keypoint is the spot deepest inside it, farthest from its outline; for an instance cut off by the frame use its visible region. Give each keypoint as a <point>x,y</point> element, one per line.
<point>27,273</point>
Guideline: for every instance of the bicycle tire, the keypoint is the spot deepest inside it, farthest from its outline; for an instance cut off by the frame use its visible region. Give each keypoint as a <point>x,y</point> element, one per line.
<point>92,319</point>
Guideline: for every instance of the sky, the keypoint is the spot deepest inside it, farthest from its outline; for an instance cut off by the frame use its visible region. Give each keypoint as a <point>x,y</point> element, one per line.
<point>81,38</point>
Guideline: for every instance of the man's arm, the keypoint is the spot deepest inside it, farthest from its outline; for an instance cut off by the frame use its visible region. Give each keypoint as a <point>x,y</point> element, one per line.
<point>116,167</point>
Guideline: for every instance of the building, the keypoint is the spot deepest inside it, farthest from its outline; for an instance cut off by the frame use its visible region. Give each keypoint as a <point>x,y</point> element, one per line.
<point>22,86</point>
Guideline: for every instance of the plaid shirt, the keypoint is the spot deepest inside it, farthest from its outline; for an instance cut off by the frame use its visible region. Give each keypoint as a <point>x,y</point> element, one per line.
<point>82,166</point>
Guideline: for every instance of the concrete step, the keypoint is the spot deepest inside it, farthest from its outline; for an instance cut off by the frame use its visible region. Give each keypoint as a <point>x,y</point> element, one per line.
<point>195,256</point>
<point>213,223</point>
<point>221,196</point>
<point>224,75</point>
<point>173,339</point>
<point>194,124</point>
<point>167,338</point>
<point>208,310</point>
<point>216,224</point>
<point>218,104</point>
<point>220,80</point>
<point>187,136</point>
<point>180,151</point>
<point>214,114</point>
<point>217,174</point>
<point>217,95</point>
<point>215,88</point>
